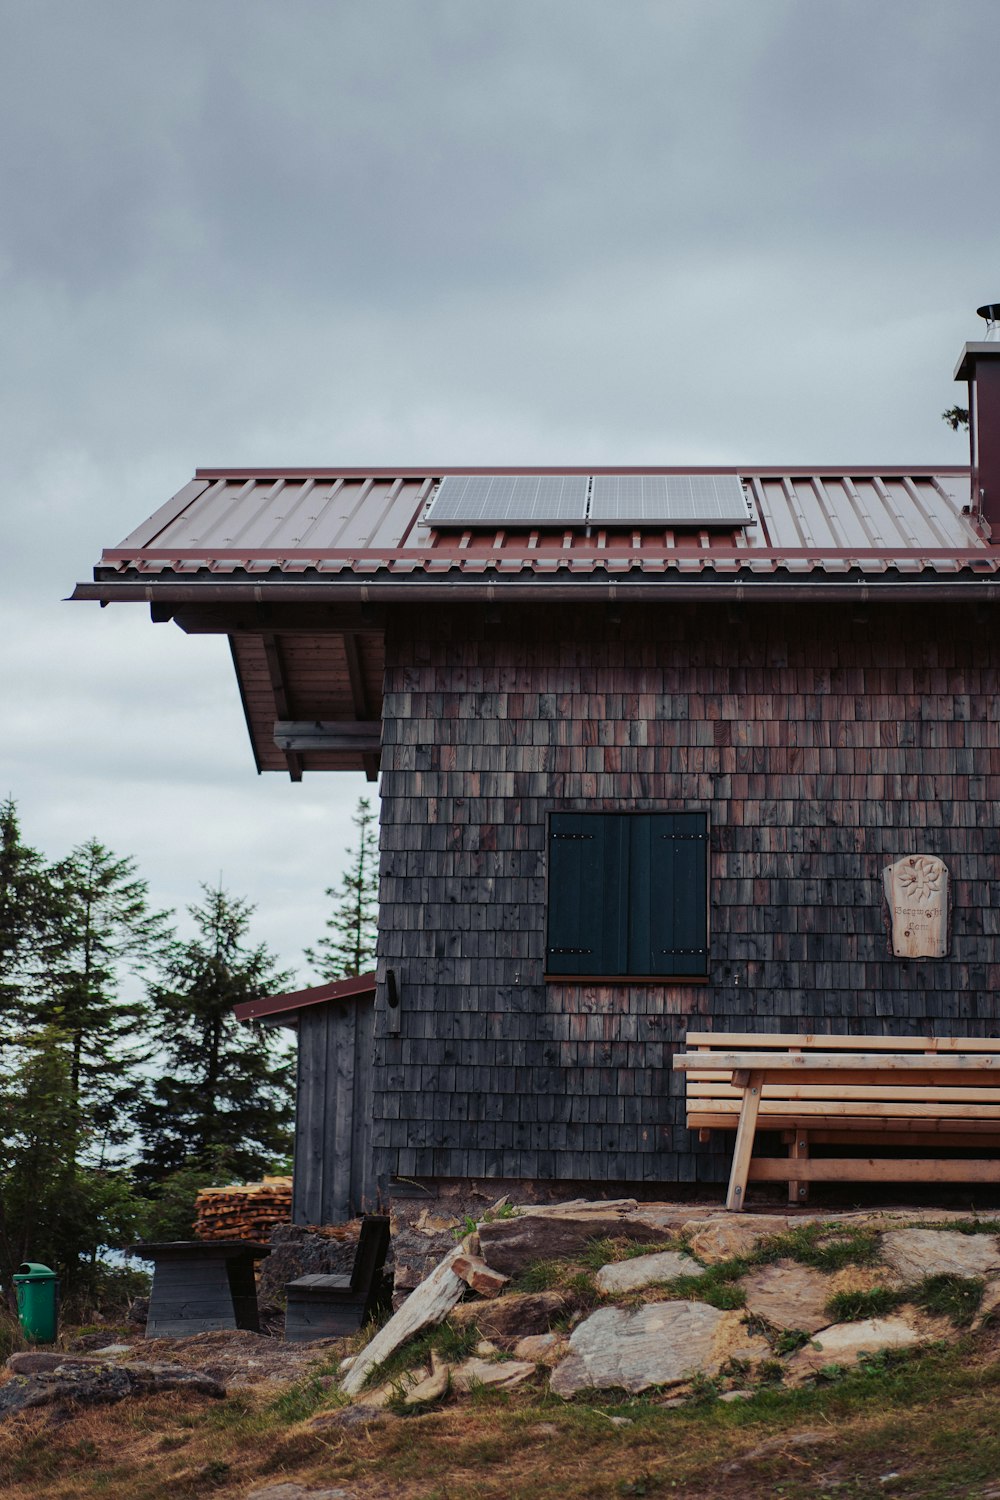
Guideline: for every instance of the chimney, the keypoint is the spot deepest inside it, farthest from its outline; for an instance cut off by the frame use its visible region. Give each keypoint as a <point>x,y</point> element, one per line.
<point>980,366</point>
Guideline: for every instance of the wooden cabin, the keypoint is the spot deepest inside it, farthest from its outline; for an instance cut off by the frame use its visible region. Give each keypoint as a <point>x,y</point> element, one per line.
<point>646,739</point>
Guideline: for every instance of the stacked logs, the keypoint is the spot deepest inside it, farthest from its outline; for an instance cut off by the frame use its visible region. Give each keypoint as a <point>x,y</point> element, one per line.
<point>247,1212</point>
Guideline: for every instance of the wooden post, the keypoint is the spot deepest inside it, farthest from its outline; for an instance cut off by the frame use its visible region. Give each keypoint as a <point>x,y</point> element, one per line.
<point>744,1142</point>
<point>798,1150</point>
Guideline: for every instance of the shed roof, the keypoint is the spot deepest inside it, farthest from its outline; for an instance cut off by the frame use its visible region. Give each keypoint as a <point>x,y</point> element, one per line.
<point>285,1007</point>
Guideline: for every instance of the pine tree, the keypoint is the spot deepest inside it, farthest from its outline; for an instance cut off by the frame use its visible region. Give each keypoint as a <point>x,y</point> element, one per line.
<point>107,934</point>
<point>226,1086</point>
<point>349,948</point>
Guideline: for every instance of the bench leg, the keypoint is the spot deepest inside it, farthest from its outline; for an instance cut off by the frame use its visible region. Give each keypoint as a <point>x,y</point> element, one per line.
<point>743,1149</point>
<point>798,1150</point>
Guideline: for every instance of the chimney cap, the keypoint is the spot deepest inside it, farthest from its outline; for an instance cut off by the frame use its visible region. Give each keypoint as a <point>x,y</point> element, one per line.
<point>987,348</point>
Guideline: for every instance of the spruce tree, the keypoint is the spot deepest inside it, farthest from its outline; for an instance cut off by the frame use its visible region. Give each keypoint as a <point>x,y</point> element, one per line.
<point>349,947</point>
<point>107,937</point>
<point>29,912</point>
<point>226,1086</point>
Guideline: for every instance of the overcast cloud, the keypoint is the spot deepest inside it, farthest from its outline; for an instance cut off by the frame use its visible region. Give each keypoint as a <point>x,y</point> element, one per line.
<point>434,231</point>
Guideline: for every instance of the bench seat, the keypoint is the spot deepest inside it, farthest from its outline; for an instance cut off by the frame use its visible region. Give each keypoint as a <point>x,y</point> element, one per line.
<point>913,1093</point>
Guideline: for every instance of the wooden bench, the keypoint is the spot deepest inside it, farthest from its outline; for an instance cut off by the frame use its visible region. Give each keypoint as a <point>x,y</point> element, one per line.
<point>918,1093</point>
<point>322,1306</point>
<point>201,1285</point>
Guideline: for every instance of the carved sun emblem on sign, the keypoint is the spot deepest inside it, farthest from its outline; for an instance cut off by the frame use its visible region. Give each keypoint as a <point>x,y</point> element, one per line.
<point>920,877</point>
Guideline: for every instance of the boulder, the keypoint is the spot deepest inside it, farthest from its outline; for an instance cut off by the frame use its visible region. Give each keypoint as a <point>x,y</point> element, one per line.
<point>915,1253</point>
<point>510,1245</point>
<point>661,1344</point>
<point>86,1382</point>
<point>845,1343</point>
<point>645,1270</point>
<point>789,1295</point>
<point>513,1316</point>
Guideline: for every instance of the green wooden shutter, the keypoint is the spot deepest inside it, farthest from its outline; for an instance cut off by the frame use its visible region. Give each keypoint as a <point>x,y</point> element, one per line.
<point>673,859</point>
<point>588,894</point>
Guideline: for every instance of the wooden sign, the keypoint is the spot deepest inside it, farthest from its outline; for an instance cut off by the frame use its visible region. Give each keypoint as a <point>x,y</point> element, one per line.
<point>916,889</point>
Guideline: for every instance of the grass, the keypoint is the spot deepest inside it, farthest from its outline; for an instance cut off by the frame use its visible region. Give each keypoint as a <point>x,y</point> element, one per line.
<point>448,1341</point>
<point>933,1417</point>
<point>854,1307</point>
<point>954,1297</point>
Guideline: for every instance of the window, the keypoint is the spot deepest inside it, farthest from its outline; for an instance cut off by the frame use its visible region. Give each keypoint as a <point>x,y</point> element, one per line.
<point>628,895</point>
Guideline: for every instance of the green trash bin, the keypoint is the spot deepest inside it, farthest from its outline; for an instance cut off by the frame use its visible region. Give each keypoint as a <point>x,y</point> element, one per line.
<point>37,1291</point>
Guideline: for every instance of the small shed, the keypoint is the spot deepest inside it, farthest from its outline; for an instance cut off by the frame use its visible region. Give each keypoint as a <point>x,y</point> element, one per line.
<point>334,1176</point>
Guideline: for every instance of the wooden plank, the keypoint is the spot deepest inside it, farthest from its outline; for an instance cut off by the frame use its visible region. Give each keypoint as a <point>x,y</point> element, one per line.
<point>340,1081</point>
<point>873,1169</point>
<point>363,1183</point>
<point>888,1093</point>
<point>729,1041</point>
<point>744,1143</point>
<point>359,696</point>
<point>709,1122</point>
<point>310,1118</point>
<point>792,1062</point>
<point>863,1078</point>
<point>798,1150</point>
<point>279,690</point>
<point>364,736</point>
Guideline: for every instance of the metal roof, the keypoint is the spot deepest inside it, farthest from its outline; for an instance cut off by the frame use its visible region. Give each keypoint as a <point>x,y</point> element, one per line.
<point>288,1005</point>
<point>322,524</point>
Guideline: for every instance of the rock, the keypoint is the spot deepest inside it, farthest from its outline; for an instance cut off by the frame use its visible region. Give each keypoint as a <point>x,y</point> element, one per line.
<point>479,1276</point>
<point>430,1389</point>
<point>87,1382</point>
<point>378,1397</point>
<point>661,1344</point>
<point>112,1349</point>
<point>509,1245</point>
<point>290,1491</point>
<point>499,1375</point>
<point>644,1270</point>
<point>406,1278</point>
<point>988,1306</point>
<point>495,1208</point>
<point>486,1349</point>
<point>722,1239</point>
<point>431,1223</point>
<point>238,1358</point>
<point>844,1343</point>
<point>513,1316</point>
<point>736,1396</point>
<point>35,1361</point>
<point>915,1253</point>
<point>431,1303</point>
<point>542,1348</point>
<point>581,1208</point>
<point>789,1295</point>
<point>349,1417</point>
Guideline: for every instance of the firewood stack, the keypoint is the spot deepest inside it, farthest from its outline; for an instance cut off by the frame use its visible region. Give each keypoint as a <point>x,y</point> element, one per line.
<point>247,1212</point>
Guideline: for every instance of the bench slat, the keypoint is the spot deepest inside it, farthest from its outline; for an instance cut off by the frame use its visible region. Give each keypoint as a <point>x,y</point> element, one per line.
<point>791,1062</point>
<point>871,1169</point>
<point>888,1093</point>
<point>729,1041</point>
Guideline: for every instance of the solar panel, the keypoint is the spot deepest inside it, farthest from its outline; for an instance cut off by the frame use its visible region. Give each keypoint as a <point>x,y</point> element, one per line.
<point>670,499</point>
<point>505,499</point>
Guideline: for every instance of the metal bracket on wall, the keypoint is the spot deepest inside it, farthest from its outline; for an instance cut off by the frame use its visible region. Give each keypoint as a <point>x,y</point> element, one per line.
<point>391,1003</point>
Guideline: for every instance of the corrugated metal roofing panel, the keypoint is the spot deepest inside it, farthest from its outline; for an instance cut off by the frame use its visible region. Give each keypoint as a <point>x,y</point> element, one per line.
<point>370,523</point>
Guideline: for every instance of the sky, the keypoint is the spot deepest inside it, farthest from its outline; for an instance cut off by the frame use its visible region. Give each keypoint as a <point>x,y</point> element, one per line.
<point>433,232</point>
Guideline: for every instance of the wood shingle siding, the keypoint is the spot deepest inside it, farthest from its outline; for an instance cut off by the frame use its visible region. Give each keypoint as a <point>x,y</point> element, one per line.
<point>822,747</point>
